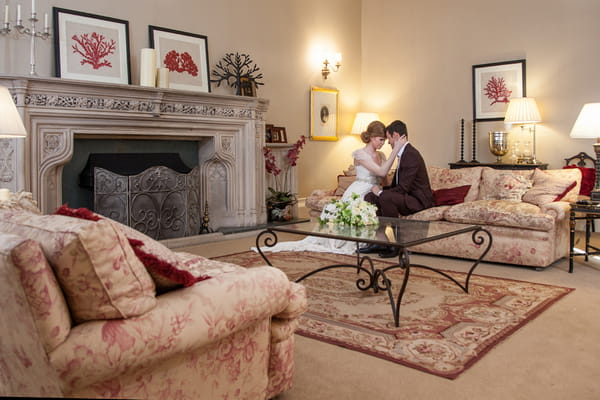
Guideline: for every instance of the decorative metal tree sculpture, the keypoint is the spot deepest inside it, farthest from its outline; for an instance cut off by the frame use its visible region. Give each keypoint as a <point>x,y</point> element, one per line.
<point>233,67</point>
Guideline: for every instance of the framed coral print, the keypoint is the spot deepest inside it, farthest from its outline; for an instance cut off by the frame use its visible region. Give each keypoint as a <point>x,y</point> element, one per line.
<point>493,87</point>
<point>185,55</point>
<point>323,113</point>
<point>91,47</point>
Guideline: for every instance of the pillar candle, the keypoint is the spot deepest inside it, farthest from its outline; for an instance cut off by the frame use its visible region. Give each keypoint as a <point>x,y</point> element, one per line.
<point>4,194</point>
<point>162,78</point>
<point>148,68</point>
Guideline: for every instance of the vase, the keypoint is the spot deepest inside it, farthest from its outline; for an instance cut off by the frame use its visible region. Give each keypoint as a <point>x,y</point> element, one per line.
<point>279,211</point>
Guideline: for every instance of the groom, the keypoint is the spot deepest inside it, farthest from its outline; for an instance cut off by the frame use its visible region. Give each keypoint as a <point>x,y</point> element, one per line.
<point>410,190</point>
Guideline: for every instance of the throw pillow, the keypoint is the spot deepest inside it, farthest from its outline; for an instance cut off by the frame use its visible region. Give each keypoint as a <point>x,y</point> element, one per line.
<point>343,182</point>
<point>547,188</point>
<point>447,197</point>
<point>43,292</point>
<point>511,187</point>
<point>588,179</point>
<point>96,267</point>
<point>160,262</point>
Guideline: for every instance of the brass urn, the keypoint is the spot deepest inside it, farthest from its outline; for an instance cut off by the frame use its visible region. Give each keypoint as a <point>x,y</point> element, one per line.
<point>499,144</point>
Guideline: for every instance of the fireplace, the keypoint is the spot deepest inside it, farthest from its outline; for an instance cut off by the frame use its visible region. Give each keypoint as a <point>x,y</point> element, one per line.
<point>227,132</point>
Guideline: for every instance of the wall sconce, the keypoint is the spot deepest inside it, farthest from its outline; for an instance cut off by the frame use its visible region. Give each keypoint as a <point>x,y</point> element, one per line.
<point>335,60</point>
<point>524,110</point>
<point>362,121</point>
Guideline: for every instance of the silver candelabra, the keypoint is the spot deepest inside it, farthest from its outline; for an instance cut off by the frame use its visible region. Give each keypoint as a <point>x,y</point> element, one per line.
<point>31,31</point>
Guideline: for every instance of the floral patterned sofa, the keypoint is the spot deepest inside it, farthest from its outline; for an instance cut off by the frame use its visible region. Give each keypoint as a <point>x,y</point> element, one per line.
<point>526,211</point>
<point>81,318</point>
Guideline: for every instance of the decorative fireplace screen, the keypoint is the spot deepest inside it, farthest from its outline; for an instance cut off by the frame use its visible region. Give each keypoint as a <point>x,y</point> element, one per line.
<point>160,202</point>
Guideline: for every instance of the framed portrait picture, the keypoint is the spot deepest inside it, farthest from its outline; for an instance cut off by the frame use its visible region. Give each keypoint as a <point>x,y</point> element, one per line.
<point>493,87</point>
<point>91,47</point>
<point>185,55</point>
<point>323,113</point>
<point>275,137</point>
<point>268,133</point>
<point>247,87</point>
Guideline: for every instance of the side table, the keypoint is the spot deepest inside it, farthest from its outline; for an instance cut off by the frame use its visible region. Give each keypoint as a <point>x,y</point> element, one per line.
<point>496,165</point>
<point>589,213</point>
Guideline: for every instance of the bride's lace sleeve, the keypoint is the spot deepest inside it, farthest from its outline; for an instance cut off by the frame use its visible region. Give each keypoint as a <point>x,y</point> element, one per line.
<point>359,155</point>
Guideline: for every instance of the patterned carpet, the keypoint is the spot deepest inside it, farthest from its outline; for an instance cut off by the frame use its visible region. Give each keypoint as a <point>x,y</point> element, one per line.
<point>443,331</point>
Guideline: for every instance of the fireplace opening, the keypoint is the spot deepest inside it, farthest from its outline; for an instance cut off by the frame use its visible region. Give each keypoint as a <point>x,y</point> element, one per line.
<point>76,195</point>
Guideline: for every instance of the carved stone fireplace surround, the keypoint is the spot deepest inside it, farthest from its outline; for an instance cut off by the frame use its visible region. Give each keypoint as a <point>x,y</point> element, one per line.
<point>228,129</point>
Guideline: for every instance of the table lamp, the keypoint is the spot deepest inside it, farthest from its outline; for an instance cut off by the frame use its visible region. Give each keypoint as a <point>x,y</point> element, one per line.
<point>587,126</point>
<point>524,110</point>
<point>11,125</point>
<point>362,120</point>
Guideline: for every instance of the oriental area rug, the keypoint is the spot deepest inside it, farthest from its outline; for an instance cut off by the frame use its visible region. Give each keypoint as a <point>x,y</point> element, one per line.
<point>443,331</point>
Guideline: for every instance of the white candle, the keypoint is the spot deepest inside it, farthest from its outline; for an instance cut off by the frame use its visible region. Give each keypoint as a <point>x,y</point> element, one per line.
<point>162,78</point>
<point>6,14</point>
<point>46,22</point>
<point>148,68</point>
<point>32,7</point>
<point>19,14</point>
<point>4,194</point>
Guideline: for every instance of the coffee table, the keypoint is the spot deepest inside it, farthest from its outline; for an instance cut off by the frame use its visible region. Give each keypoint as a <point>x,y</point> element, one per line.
<point>400,233</point>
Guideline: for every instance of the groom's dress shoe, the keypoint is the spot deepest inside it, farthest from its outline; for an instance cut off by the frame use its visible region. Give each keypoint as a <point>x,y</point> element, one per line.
<point>389,252</point>
<point>372,248</point>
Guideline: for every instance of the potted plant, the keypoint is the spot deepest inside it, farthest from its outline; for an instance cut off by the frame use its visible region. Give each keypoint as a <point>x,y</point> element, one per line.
<point>281,200</point>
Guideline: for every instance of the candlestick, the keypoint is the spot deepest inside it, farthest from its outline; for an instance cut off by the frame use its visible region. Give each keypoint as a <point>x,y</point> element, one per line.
<point>474,160</point>
<point>462,140</point>
<point>30,31</point>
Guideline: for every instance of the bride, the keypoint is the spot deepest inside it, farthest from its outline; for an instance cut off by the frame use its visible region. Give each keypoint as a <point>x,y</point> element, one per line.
<point>371,169</point>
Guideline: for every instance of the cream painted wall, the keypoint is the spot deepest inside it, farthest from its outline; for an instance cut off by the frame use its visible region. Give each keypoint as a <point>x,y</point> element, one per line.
<point>282,36</point>
<point>417,58</point>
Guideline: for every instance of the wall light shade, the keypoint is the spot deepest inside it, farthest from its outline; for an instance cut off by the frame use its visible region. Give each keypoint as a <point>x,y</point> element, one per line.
<point>11,124</point>
<point>522,110</point>
<point>362,120</point>
<point>587,125</point>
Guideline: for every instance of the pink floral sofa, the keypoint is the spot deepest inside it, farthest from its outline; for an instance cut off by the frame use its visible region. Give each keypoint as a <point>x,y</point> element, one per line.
<point>80,316</point>
<point>526,211</point>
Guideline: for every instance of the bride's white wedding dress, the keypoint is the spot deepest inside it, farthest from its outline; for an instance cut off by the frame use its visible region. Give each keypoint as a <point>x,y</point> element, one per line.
<point>365,180</point>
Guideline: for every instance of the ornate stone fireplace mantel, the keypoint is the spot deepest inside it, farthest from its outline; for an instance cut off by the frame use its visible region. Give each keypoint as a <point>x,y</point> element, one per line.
<point>228,129</point>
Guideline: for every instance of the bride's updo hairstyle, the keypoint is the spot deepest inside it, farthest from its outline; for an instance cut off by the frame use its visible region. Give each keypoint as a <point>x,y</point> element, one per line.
<point>375,129</point>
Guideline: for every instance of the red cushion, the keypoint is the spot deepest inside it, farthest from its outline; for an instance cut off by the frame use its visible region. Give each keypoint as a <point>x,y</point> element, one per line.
<point>159,269</point>
<point>447,197</point>
<point>588,179</point>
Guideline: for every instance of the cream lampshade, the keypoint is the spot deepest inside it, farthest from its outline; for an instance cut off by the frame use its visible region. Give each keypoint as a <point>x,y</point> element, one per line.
<point>587,126</point>
<point>362,120</point>
<point>523,110</point>
<point>11,125</point>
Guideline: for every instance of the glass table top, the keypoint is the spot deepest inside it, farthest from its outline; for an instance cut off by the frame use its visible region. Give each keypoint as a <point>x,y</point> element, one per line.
<point>401,232</point>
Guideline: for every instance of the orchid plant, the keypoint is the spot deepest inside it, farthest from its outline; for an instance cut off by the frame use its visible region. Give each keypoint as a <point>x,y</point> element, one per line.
<point>281,175</point>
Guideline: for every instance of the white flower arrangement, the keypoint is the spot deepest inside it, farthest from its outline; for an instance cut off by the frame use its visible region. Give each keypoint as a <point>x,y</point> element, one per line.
<point>354,211</point>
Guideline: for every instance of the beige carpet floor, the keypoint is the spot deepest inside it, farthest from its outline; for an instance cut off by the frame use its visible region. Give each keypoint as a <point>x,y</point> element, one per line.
<point>555,356</point>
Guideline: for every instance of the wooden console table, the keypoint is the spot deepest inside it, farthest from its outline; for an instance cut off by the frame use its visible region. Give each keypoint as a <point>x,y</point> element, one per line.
<point>457,165</point>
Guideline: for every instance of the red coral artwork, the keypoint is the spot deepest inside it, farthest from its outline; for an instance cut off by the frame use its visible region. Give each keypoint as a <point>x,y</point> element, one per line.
<point>496,90</point>
<point>94,48</point>
<point>180,62</point>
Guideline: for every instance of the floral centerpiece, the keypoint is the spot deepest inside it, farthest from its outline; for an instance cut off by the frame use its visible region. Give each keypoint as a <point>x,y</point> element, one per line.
<point>279,204</point>
<point>354,211</point>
